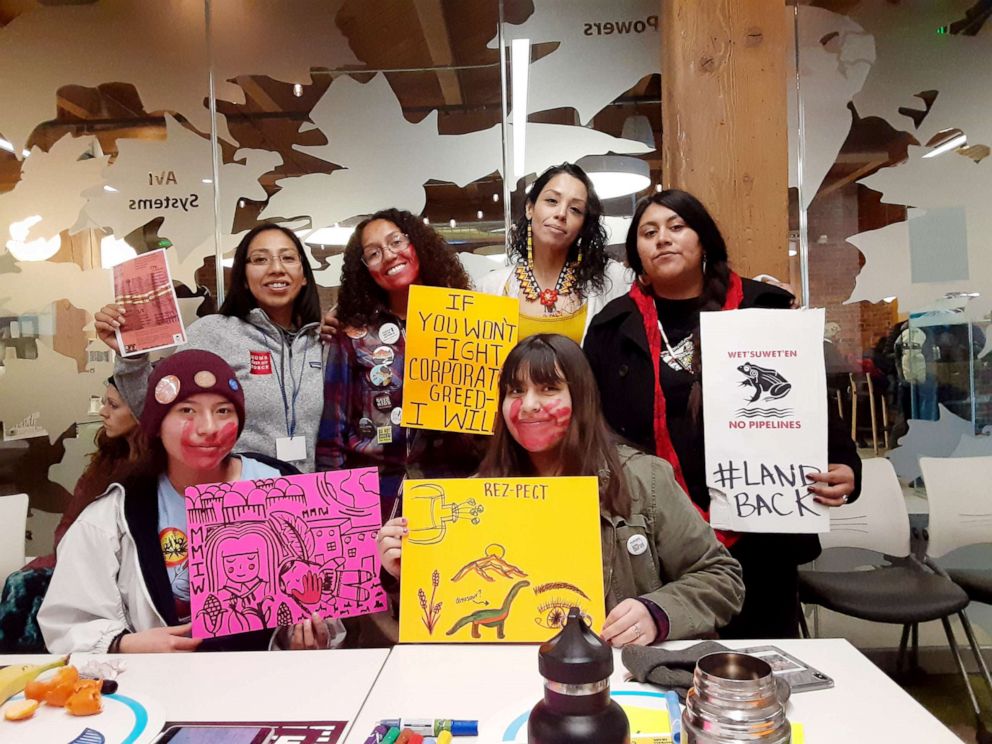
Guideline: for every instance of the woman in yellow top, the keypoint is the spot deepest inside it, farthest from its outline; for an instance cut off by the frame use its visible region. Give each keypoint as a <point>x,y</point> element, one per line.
<point>558,263</point>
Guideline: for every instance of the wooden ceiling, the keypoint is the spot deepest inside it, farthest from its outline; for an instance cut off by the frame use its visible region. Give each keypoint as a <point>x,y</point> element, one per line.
<point>434,54</point>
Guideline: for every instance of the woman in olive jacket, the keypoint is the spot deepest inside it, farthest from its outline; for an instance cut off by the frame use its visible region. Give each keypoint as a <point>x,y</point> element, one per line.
<point>665,575</point>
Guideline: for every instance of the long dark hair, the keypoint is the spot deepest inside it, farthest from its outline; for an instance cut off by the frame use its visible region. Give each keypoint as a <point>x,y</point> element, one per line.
<point>361,300</point>
<point>591,272</point>
<point>588,447</point>
<point>113,459</point>
<point>240,301</point>
<point>716,269</point>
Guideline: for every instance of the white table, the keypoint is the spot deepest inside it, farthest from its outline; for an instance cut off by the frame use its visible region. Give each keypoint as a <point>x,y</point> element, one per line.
<point>492,683</point>
<point>257,686</point>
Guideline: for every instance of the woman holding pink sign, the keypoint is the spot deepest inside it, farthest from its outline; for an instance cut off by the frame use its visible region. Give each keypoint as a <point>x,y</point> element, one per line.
<point>121,584</point>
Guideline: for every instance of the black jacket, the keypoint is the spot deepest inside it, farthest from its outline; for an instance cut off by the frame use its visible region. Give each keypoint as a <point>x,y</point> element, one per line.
<point>617,348</point>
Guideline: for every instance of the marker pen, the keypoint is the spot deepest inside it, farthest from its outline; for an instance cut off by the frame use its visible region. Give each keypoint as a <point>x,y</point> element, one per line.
<point>377,733</point>
<point>434,726</point>
<point>674,715</point>
<point>391,736</point>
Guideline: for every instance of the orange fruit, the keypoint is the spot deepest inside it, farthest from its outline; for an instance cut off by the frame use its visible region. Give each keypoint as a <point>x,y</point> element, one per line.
<point>84,702</point>
<point>84,684</point>
<point>36,689</point>
<point>59,693</point>
<point>20,710</point>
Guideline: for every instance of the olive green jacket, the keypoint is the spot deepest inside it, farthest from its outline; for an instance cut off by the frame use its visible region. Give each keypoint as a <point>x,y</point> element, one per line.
<point>683,568</point>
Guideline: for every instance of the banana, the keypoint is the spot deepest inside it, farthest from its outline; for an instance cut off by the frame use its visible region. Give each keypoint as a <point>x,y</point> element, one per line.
<point>13,679</point>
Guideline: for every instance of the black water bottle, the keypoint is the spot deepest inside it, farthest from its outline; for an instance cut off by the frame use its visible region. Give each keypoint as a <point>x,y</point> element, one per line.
<point>577,709</point>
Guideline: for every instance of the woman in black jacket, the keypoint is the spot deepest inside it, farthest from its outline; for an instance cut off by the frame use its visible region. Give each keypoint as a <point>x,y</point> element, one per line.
<point>644,350</point>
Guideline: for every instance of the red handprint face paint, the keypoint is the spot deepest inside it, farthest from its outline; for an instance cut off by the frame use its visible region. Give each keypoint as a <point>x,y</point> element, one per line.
<point>538,415</point>
<point>200,431</point>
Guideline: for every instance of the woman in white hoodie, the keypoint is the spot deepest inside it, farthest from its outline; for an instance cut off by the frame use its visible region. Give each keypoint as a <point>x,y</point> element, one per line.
<point>121,584</point>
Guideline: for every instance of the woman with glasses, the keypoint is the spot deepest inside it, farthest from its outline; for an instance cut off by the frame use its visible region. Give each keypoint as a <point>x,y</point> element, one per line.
<point>268,331</point>
<point>363,393</point>
<point>559,267</point>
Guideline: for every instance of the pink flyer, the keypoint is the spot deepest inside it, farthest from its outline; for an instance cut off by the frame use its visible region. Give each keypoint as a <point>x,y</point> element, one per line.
<point>270,552</point>
<point>143,286</point>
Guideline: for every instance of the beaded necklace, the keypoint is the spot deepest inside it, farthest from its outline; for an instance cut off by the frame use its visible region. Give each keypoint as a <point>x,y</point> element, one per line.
<point>530,288</point>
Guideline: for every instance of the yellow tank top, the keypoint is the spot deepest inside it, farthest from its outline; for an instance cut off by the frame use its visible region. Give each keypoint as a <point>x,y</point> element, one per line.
<point>573,325</point>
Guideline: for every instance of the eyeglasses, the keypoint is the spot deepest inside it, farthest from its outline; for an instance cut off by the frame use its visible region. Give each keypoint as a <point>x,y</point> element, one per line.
<point>395,244</point>
<point>289,260</point>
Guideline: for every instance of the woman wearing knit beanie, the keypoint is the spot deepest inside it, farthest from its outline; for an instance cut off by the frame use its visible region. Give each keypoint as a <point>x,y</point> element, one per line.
<point>122,583</point>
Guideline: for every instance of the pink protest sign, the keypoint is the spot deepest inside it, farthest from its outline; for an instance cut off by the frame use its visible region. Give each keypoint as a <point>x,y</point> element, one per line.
<point>271,552</point>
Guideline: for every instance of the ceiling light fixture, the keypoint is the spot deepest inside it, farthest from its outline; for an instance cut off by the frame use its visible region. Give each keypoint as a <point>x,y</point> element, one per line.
<point>520,70</point>
<point>5,145</point>
<point>616,175</point>
<point>334,235</point>
<point>945,141</point>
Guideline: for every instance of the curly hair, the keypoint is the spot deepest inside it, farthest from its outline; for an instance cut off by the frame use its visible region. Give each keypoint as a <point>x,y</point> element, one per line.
<point>361,300</point>
<point>591,243</point>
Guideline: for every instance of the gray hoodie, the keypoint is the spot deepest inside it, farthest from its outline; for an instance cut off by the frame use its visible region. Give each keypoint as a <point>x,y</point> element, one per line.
<point>270,364</point>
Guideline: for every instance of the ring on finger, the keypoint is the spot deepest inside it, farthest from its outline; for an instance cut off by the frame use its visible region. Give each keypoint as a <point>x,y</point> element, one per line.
<point>637,630</point>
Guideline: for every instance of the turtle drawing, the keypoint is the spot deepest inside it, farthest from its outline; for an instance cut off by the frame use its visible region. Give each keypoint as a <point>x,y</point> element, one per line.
<point>490,618</point>
<point>764,381</point>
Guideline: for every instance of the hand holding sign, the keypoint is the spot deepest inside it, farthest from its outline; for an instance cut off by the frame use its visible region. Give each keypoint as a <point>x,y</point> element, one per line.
<point>833,487</point>
<point>765,411</point>
<point>455,345</point>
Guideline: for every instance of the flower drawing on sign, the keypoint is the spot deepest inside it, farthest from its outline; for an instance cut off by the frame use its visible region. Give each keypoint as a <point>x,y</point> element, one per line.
<point>432,609</point>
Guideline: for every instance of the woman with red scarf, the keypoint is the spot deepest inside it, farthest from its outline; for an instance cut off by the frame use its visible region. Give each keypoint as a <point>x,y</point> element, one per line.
<point>644,350</point>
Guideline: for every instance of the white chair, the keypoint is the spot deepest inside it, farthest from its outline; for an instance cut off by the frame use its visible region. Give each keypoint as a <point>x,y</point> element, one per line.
<point>905,593</point>
<point>13,523</point>
<point>960,501</point>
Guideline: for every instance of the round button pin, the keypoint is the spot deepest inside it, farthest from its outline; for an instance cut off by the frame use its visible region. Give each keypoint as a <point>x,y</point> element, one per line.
<point>389,333</point>
<point>396,415</point>
<point>637,544</point>
<point>383,355</point>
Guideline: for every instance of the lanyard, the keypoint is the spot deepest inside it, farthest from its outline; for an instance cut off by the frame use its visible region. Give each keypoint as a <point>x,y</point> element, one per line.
<point>289,405</point>
<point>668,348</point>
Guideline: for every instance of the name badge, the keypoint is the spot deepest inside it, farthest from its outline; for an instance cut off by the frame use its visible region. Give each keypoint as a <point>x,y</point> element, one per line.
<point>291,449</point>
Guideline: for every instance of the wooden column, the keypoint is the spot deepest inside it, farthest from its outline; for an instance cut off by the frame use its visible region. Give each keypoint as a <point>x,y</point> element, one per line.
<point>724,84</point>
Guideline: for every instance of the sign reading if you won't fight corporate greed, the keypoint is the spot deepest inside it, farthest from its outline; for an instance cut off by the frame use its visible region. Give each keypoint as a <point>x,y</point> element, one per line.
<point>765,415</point>
<point>455,346</point>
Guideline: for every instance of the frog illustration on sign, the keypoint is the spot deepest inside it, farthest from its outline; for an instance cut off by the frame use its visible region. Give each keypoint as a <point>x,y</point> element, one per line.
<point>764,381</point>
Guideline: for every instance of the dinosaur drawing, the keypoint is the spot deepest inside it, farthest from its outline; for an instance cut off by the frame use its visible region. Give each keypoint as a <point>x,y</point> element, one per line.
<point>494,618</point>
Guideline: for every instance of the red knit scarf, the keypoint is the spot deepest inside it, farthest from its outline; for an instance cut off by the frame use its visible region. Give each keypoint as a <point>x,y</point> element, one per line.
<point>644,300</point>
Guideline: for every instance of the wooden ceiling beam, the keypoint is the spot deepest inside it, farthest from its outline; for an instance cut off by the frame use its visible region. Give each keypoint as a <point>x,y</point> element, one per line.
<point>259,95</point>
<point>435,29</point>
<point>71,107</point>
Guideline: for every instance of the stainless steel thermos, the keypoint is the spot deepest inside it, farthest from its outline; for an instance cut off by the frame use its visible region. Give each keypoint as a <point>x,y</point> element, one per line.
<point>734,700</point>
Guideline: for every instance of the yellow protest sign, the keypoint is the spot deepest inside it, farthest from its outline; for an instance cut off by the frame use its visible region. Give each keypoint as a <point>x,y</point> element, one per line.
<point>456,342</point>
<point>499,559</point>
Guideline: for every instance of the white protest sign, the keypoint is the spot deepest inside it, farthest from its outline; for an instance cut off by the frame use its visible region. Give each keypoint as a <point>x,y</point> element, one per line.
<point>765,415</point>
